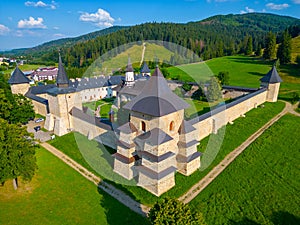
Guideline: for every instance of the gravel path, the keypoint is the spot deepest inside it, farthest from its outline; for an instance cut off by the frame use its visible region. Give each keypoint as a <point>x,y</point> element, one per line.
<point>203,183</point>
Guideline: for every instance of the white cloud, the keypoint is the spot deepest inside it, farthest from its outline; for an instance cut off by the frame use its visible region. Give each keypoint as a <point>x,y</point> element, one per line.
<point>58,35</point>
<point>296,1</point>
<point>247,10</point>
<point>277,6</point>
<point>55,28</point>
<point>32,23</point>
<point>101,18</point>
<point>41,4</point>
<point>3,29</point>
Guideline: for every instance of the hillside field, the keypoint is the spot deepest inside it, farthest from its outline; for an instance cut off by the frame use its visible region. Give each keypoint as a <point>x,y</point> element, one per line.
<point>152,51</point>
<point>59,195</point>
<point>262,185</point>
<point>243,71</point>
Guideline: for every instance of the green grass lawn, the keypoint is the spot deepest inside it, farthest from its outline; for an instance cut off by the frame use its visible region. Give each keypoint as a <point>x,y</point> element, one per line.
<point>262,185</point>
<point>105,106</point>
<point>234,135</point>
<point>60,195</point>
<point>295,47</point>
<point>243,71</point>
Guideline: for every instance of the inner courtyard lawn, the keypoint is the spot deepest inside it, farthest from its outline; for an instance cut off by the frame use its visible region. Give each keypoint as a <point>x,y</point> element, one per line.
<point>262,185</point>
<point>59,195</point>
<point>234,135</point>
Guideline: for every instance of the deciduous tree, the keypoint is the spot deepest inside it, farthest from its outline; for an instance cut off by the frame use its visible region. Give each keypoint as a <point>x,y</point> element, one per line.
<point>173,212</point>
<point>17,153</point>
<point>213,90</point>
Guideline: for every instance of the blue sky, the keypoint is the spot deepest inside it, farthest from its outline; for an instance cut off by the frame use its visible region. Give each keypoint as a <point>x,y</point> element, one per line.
<point>29,23</point>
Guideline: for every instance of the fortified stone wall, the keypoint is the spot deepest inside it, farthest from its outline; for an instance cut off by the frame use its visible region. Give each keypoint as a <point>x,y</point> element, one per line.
<point>19,88</point>
<point>212,121</point>
<point>105,136</point>
<point>39,108</point>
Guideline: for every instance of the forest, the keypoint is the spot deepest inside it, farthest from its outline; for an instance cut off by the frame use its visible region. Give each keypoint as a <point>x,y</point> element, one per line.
<point>213,37</point>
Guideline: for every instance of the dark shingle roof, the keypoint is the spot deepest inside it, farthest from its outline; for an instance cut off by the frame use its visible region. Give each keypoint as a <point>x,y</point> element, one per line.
<point>156,98</point>
<point>62,78</point>
<point>34,97</point>
<point>18,77</point>
<point>78,113</point>
<point>129,66</point>
<point>272,77</point>
<point>36,90</point>
<point>155,137</point>
<point>127,128</point>
<point>145,68</point>
<point>186,127</point>
<point>95,82</point>
<point>135,89</point>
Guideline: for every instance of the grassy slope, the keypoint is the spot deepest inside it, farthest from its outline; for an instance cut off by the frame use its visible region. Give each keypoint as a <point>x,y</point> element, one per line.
<point>243,71</point>
<point>261,185</point>
<point>135,53</point>
<point>59,195</point>
<point>295,47</point>
<point>234,136</point>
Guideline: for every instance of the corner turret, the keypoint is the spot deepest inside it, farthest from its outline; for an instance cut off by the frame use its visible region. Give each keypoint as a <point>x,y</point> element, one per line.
<point>19,82</point>
<point>272,82</point>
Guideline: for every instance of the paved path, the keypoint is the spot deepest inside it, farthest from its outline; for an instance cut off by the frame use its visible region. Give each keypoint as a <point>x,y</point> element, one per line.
<point>108,188</point>
<point>203,183</point>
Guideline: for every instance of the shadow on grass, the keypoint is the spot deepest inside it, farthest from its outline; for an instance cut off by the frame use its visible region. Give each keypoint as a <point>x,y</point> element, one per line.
<point>244,221</point>
<point>284,218</point>
<point>118,214</point>
<point>290,69</point>
<point>251,60</point>
<point>257,74</point>
<point>277,218</point>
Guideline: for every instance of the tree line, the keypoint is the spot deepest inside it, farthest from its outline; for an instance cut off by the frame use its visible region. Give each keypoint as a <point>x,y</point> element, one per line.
<point>17,147</point>
<point>207,39</point>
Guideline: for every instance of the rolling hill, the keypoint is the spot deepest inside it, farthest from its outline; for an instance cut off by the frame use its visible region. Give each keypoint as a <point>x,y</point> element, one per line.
<point>210,38</point>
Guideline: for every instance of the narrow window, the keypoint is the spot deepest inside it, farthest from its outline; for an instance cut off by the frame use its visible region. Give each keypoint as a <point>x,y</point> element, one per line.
<point>172,126</point>
<point>143,126</point>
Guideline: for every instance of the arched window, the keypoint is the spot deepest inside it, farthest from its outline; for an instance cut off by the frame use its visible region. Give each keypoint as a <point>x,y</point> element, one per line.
<point>172,126</point>
<point>143,126</point>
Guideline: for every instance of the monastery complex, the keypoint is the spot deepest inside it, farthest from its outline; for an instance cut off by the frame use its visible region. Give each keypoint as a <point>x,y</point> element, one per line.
<point>156,141</point>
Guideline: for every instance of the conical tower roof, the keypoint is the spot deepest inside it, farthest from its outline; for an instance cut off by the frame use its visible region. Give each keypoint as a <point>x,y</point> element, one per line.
<point>271,77</point>
<point>62,78</point>
<point>129,66</point>
<point>145,68</point>
<point>156,98</point>
<point>18,77</point>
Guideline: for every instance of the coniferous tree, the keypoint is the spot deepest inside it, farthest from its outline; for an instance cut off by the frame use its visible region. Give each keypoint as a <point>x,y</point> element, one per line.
<point>258,51</point>
<point>270,48</point>
<point>249,47</point>
<point>285,49</point>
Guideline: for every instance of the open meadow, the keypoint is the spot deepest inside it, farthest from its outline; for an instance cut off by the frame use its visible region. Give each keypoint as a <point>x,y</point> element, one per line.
<point>262,185</point>
<point>59,195</point>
